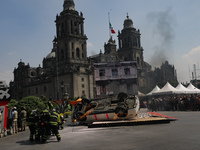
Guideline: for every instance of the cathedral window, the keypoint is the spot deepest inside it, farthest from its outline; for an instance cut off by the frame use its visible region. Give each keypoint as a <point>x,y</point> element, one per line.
<point>72,50</point>
<point>101,72</point>
<point>78,52</point>
<point>83,51</point>
<point>129,42</point>
<point>127,71</point>
<point>59,30</point>
<point>114,72</point>
<point>65,26</point>
<point>72,31</point>
<point>72,46</point>
<point>138,60</point>
<point>80,28</point>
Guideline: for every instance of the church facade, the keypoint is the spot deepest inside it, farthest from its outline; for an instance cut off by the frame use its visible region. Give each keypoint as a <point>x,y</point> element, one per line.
<point>68,72</point>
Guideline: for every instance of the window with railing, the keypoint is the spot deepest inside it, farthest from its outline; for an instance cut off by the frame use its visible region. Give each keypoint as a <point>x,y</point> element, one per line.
<point>101,72</point>
<point>127,71</point>
<point>114,72</point>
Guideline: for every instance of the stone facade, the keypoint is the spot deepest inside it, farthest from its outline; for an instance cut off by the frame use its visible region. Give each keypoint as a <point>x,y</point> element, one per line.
<point>66,70</point>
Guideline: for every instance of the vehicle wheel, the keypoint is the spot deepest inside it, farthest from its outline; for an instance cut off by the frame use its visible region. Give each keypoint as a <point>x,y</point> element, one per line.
<point>121,96</point>
<point>85,101</point>
<point>80,116</point>
<point>121,111</point>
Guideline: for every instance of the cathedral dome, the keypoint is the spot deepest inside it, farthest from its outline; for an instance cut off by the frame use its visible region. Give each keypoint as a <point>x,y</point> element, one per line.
<point>51,55</point>
<point>128,23</point>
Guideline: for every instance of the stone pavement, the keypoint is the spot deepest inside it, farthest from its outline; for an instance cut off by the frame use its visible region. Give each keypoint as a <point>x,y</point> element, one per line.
<point>179,135</point>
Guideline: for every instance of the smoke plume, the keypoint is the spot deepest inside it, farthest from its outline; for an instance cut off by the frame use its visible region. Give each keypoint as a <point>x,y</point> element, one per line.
<point>163,23</point>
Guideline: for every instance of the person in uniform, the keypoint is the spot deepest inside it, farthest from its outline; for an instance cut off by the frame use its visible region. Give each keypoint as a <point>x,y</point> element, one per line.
<point>45,116</point>
<point>31,125</point>
<point>14,118</point>
<point>22,117</point>
<point>52,125</point>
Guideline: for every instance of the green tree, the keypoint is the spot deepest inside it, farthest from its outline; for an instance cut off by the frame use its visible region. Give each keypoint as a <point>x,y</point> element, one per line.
<point>12,104</point>
<point>30,103</point>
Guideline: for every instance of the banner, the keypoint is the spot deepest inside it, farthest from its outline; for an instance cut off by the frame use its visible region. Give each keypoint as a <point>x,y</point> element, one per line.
<point>4,117</point>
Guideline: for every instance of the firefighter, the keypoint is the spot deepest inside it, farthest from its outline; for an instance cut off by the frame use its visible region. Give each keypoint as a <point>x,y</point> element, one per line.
<point>45,117</point>
<point>31,124</point>
<point>52,125</point>
<point>22,117</point>
<point>61,121</point>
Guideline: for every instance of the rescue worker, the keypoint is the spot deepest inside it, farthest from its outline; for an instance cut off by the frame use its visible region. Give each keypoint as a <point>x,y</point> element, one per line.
<point>1,118</point>
<point>14,118</point>
<point>52,125</point>
<point>22,117</point>
<point>37,119</point>
<point>45,117</point>
<point>61,121</point>
<point>31,124</point>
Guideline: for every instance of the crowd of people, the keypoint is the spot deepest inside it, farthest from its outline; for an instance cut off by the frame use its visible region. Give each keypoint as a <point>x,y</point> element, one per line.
<point>41,123</point>
<point>174,103</point>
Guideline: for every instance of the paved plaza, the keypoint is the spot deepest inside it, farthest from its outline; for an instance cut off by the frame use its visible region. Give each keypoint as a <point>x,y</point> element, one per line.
<point>183,134</point>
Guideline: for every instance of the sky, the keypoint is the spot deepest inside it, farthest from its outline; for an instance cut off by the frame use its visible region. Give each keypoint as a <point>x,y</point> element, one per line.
<point>169,31</point>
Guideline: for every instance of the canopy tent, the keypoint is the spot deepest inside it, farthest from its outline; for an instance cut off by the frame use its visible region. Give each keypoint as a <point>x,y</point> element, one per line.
<point>183,90</point>
<point>193,88</point>
<point>156,89</point>
<point>167,89</point>
<point>140,94</point>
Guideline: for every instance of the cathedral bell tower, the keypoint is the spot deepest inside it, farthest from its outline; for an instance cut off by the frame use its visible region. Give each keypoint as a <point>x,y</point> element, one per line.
<point>74,71</point>
<point>129,43</point>
<point>71,40</point>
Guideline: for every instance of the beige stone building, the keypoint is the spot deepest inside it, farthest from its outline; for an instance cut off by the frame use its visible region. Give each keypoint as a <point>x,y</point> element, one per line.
<point>66,70</point>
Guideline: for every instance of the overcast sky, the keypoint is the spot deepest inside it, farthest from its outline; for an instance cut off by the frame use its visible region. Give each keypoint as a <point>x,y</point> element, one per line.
<point>170,30</point>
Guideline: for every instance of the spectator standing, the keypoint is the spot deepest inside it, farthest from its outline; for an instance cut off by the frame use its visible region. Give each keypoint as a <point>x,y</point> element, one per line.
<point>22,117</point>
<point>1,118</point>
<point>14,118</point>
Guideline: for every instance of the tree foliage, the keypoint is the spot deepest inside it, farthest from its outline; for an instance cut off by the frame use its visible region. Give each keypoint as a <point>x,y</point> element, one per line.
<point>30,103</point>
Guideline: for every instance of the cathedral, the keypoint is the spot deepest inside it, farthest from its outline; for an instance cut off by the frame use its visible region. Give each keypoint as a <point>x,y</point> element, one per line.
<point>68,72</point>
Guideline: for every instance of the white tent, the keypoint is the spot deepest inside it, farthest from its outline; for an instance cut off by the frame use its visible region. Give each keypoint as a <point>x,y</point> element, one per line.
<point>193,88</point>
<point>167,89</point>
<point>183,90</point>
<point>140,94</point>
<point>156,89</point>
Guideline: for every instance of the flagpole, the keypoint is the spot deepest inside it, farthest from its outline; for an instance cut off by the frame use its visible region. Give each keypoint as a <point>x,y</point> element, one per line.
<point>109,24</point>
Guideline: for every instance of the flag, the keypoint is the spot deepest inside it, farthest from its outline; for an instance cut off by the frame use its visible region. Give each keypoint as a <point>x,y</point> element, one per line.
<point>111,29</point>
